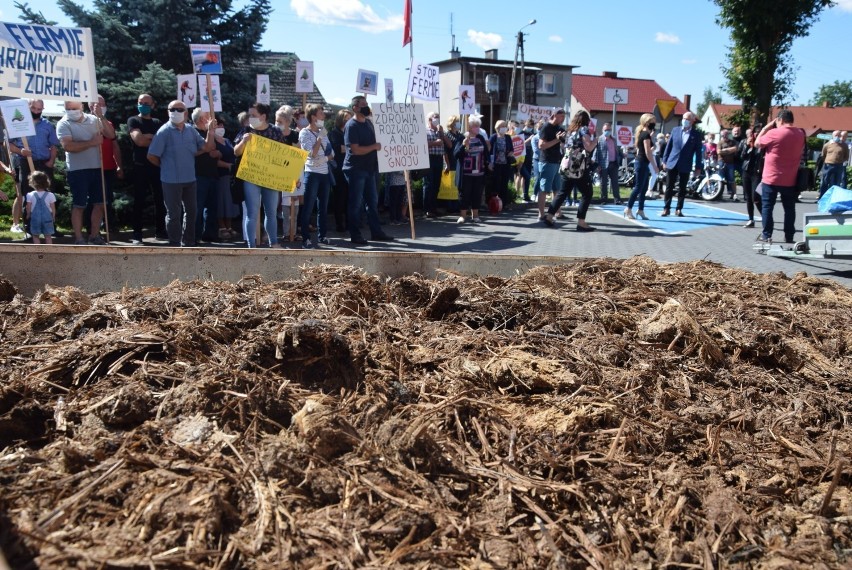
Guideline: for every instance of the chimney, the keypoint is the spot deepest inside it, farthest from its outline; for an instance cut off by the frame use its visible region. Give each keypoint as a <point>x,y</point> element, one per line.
<point>455,53</point>
<point>491,54</point>
<point>687,101</point>
<point>610,74</point>
<point>825,105</point>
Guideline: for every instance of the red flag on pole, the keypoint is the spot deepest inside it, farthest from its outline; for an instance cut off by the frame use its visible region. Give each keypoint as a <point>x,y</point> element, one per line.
<point>406,30</point>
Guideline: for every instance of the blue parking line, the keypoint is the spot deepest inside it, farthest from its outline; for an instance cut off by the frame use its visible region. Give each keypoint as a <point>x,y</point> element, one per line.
<point>696,216</point>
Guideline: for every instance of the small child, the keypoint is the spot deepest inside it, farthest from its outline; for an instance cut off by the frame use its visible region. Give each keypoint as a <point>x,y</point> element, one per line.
<point>41,207</point>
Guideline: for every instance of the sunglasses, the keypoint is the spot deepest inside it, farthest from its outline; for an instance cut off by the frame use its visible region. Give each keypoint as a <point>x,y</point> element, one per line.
<point>179,110</point>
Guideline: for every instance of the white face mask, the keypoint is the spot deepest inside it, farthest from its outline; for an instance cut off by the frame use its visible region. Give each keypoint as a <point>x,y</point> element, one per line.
<point>74,114</point>
<point>177,117</point>
<point>254,122</point>
<point>220,132</point>
<point>302,123</point>
<point>502,130</point>
<point>435,121</point>
<point>104,110</point>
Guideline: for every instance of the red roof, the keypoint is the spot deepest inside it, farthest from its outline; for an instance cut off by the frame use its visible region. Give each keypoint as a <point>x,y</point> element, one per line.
<point>588,90</point>
<point>813,119</point>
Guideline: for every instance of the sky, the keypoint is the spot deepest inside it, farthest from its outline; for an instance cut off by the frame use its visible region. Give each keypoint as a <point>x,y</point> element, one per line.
<point>675,42</point>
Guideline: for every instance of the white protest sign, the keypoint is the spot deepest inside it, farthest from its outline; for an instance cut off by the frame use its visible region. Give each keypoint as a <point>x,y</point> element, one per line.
<point>187,90</point>
<point>304,77</point>
<point>367,82</point>
<point>262,95</point>
<point>533,112</point>
<point>18,119</point>
<point>424,82</point>
<point>206,58</point>
<point>467,100</point>
<point>47,62</point>
<point>401,130</point>
<point>389,91</point>
<point>217,93</point>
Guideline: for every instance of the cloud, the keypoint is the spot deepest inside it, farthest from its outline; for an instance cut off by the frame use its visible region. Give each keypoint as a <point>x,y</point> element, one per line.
<point>558,39</point>
<point>352,13</point>
<point>666,38</point>
<point>485,40</point>
<point>689,61</point>
<point>845,5</point>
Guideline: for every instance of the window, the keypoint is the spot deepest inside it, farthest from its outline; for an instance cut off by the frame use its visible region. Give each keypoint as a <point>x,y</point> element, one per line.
<point>546,84</point>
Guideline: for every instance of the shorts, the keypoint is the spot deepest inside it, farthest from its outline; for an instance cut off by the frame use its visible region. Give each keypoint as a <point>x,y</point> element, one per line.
<point>85,187</point>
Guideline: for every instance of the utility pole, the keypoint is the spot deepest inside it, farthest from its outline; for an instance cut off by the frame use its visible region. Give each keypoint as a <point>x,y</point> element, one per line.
<point>519,47</point>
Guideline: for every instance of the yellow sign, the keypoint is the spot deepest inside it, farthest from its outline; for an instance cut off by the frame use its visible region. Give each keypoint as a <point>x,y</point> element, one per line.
<point>272,164</point>
<point>666,106</point>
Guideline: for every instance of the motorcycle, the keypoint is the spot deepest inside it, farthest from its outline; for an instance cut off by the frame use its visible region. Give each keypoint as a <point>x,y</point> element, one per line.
<point>709,186</point>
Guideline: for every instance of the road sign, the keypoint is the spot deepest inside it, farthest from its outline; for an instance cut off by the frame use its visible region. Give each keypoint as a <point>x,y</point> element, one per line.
<point>666,106</point>
<point>824,136</point>
<point>624,135</point>
<point>615,96</point>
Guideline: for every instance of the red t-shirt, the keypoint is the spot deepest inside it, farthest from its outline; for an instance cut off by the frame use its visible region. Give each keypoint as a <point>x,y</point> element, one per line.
<point>783,146</point>
<point>106,149</point>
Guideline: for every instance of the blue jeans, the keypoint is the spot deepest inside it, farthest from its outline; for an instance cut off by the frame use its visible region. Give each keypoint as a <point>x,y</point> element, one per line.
<point>316,188</point>
<point>788,200</point>
<point>207,202</point>
<point>640,185</point>
<point>254,195</point>
<point>729,170</point>
<point>536,173</point>
<point>832,175</point>
<point>550,179</point>
<point>363,193</point>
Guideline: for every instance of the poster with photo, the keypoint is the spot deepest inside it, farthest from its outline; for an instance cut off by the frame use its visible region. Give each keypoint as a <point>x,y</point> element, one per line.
<point>216,91</point>
<point>368,82</point>
<point>206,58</point>
<point>389,91</point>
<point>467,100</point>
<point>262,95</point>
<point>187,90</point>
<point>304,77</point>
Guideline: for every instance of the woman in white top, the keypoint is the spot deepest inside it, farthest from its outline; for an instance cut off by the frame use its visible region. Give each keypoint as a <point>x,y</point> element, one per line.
<point>314,139</point>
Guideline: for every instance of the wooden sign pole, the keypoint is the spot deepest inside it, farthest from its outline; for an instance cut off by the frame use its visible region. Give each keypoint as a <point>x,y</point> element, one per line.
<point>410,203</point>
<point>30,157</point>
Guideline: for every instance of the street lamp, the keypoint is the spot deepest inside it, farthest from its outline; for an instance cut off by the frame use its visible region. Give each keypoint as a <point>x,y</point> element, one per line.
<point>519,47</point>
<point>492,85</point>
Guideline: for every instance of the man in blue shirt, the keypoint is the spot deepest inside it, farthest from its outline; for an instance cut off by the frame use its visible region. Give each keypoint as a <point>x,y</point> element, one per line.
<point>174,149</point>
<point>42,149</point>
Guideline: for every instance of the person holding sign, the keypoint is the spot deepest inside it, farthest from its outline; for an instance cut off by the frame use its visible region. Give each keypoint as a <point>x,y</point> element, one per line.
<point>42,149</point>
<point>174,149</point>
<point>361,168</point>
<point>472,154</point>
<point>81,135</point>
<point>437,142</point>
<point>255,195</point>
<point>314,139</point>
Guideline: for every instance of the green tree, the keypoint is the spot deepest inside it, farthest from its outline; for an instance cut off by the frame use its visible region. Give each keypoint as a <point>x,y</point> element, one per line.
<point>709,97</point>
<point>131,35</point>
<point>760,68</point>
<point>837,94</point>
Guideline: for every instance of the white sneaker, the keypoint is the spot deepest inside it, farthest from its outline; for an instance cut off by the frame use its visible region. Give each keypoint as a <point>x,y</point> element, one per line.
<point>460,220</point>
<point>16,228</point>
<point>477,220</point>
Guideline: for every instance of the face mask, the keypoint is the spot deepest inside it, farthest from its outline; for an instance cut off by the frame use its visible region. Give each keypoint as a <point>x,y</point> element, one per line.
<point>104,110</point>
<point>254,122</point>
<point>474,131</point>
<point>457,125</point>
<point>220,132</point>
<point>177,117</point>
<point>607,133</point>
<point>144,109</point>
<point>74,114</point>
<point>502,130</point>
<point>436,122</point>
<point>685,123</point>
<point>527,131</point>
<point>302,123</point>
<point>37,116</point>
<point>652,126</point>
<point>365,111</point>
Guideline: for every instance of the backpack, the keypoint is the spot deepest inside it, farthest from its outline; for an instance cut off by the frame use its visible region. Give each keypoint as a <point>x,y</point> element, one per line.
<point>575,162</point>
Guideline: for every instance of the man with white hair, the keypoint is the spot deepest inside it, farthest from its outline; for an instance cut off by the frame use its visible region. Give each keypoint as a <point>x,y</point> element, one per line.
<point>206,172</point>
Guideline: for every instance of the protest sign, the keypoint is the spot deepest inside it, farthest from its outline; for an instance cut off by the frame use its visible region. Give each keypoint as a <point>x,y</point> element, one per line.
<point>624,135</point>
<point>47,62</point>
<point>424,82</point>
<point>262,95</point>
<point>593,126</point>
<point>519,149</point>
<point>206,58</point>
<point>389,91</point>
<point>367,82</point>
<point>215,91</point>
<point>401,130</point>
<point>533,112</point>
<point>187,90</point>
<point>467,100</point>
<point>18,119</point>
<point>272,164</point>
<point>304,77</point>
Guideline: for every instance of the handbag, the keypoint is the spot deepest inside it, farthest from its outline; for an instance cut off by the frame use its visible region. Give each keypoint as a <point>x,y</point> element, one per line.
<point>448,190</point>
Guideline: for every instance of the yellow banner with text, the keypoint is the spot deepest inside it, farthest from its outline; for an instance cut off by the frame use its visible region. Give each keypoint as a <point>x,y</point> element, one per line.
<point>271,164</point>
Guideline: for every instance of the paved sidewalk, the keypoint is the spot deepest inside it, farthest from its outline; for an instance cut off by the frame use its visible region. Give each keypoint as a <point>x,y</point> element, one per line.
<point>711,230</point>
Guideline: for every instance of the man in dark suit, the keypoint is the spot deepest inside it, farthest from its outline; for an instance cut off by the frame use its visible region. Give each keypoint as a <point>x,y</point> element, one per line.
<point>684,145</point>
